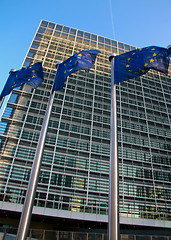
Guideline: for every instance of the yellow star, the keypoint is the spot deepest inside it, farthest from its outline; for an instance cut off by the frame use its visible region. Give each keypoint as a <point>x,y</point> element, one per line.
<point>79,56</point>
<point>154,54</point>
<point>145,65</point>
<point>130,70</point>
<point>33,76</point>
<point>33,70</point>
<point>129,59</point>
<point>151,60</point>
<point>127,65</point>
<point>70,70</point>
<point>133,54</point>
<point>29,79</point>
<point>143,70</point>
<point>65,71</point>
<point>153,49</point>
<point>140,49</point>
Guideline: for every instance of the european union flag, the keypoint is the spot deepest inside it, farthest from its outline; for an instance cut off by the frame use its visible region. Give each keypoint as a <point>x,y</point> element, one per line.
<point>138,62</point>
<point>82,60</point>
<point>32,75</point>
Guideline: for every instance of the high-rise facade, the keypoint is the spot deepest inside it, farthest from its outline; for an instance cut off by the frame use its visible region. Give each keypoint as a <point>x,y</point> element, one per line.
<point>74,177</point>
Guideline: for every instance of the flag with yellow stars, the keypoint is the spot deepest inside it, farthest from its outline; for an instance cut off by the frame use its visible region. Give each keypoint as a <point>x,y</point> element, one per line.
<point>138,62</point>
<point>32,75</point>
<point>83,60</point>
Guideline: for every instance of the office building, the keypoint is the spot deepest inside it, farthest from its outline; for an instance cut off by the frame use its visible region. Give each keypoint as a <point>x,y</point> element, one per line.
<point>72,192</point>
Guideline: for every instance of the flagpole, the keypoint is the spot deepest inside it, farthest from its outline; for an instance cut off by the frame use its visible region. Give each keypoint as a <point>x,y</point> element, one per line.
<point>34,176</point>
<point>114,227</point>
<point>1,101</point>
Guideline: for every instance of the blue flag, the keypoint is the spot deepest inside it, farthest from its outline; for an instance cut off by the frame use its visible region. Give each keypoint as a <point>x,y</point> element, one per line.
<point>138,62</point>
<point>82,60</point>
<point>32,75</point>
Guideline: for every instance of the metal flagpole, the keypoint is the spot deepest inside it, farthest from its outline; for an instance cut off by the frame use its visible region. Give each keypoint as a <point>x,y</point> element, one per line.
<point>34,176</point>
<point>114,169</point>
<point>1,101</point>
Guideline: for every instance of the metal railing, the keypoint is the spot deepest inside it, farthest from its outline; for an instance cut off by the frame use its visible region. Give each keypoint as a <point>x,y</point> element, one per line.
<point>35,234</point>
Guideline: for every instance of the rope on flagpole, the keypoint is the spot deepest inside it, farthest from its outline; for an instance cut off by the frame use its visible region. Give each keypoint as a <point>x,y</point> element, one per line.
<point>111,15</point>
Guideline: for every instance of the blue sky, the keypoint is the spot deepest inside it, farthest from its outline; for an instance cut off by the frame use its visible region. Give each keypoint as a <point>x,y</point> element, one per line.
<point>136,22</point>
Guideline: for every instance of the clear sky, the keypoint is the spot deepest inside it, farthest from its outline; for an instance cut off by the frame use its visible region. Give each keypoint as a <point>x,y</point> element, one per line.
<point>139,23</point>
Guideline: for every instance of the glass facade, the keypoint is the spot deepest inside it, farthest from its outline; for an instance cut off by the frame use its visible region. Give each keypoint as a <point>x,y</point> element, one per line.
<point>75,167</point>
